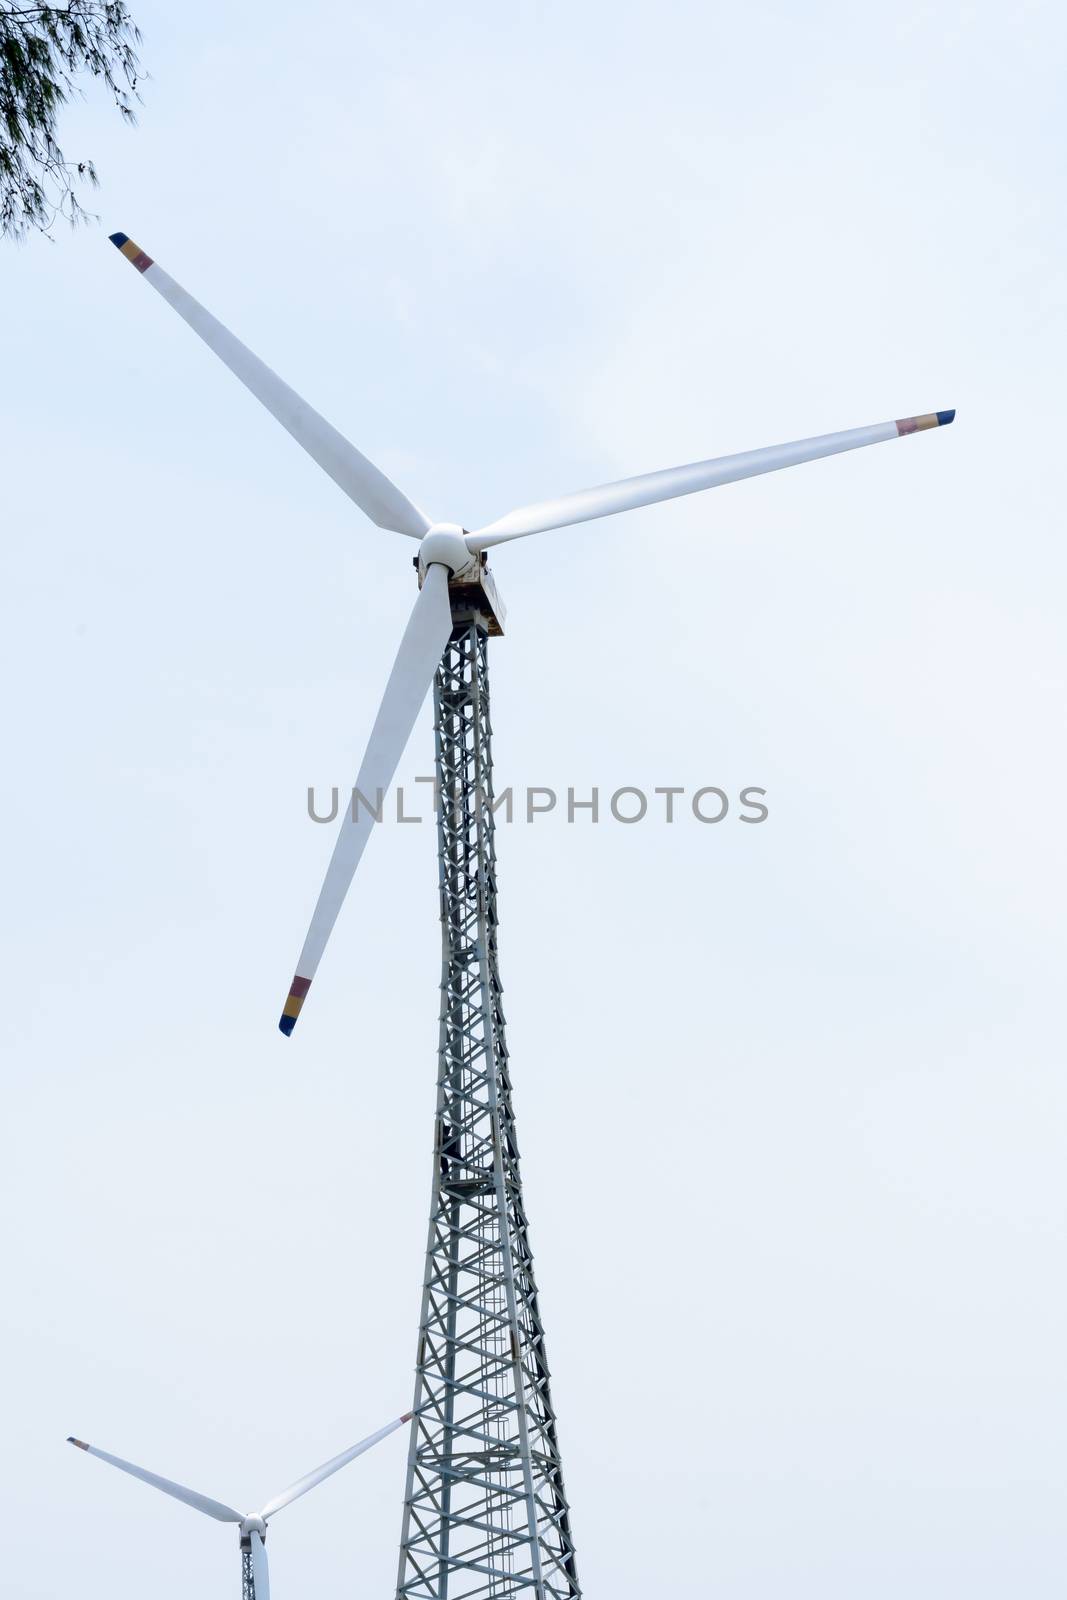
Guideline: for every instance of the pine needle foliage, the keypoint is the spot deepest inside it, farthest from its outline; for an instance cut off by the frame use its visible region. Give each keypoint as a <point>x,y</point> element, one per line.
<point>44,51</point>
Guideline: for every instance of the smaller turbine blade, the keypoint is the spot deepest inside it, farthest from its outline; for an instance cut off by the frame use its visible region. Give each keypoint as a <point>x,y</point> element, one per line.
<point>260,1570</point>
<point>652,487</point>
<point>416,661</point>
<point>189,1497</point>
<point>360,479</point>
<point>328,1468</point>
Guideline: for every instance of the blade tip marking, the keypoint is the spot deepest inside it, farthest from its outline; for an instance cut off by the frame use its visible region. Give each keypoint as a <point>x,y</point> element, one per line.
<point>930,419</point>
<point>133,252</point>
<point>291,1010</point>
<point>79,1443</point>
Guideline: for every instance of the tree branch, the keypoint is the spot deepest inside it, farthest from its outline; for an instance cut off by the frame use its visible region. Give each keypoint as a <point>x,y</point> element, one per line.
<point>43,49</point>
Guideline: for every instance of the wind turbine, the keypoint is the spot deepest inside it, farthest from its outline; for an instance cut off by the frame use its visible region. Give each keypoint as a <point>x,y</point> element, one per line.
<point>448,556</point>
<point>252,1526</point>
<point>485,1509</point>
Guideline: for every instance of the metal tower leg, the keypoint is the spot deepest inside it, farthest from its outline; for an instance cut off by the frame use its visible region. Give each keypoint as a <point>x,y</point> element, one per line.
<point>485,1512</point>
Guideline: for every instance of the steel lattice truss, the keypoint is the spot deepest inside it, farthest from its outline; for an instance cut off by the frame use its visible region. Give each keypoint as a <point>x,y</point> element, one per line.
<point>485,1512</point>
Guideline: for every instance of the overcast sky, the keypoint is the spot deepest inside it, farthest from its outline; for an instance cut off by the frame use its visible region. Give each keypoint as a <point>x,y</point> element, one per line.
<point>791,1097</point>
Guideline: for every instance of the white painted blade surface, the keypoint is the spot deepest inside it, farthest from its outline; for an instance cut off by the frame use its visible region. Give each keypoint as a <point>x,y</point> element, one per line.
<point>260,1570</point>
<point>652,487</point>
<point>177,1491</point>
<point>360,479</point>
<point>420,650</point>
<point>328,1468</point>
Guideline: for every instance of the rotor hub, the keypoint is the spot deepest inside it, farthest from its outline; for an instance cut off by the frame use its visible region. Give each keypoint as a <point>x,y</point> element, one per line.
<point>445,546</point>
<point>253,1525</point>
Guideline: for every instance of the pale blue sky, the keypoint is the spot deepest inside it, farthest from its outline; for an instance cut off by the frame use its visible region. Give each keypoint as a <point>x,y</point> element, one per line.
<point>791,1098</point>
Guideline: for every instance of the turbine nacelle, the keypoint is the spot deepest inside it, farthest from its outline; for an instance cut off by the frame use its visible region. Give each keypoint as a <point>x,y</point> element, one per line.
<point>470,583</point>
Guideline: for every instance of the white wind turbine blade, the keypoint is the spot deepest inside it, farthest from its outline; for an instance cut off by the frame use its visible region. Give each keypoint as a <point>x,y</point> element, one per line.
<point>260,1570</point>
<point>420,650</point>
<point>359,478</point>
<point>328,1468</point>
<point>652,487</point>
<point>199,1502</point>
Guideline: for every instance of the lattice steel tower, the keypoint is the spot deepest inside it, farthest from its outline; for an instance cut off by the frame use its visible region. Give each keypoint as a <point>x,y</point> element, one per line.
<point>485,1511</point>
<point>248,1577</point>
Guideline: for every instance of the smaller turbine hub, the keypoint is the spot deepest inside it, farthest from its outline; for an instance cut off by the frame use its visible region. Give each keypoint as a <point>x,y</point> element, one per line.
<point>253,1525</point>
<point>445,546</point>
